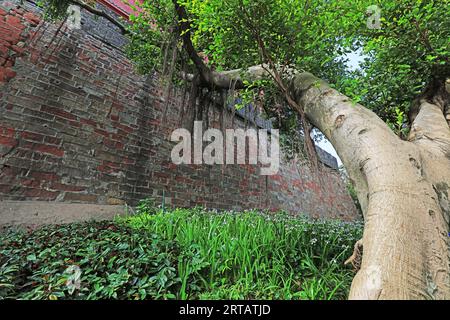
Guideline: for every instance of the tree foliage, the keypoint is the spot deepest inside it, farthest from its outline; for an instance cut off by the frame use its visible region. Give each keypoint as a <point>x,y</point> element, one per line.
<point>409,48</point>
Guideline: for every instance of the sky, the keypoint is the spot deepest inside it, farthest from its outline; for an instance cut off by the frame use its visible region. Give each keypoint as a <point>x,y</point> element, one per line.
<point>354,60</point>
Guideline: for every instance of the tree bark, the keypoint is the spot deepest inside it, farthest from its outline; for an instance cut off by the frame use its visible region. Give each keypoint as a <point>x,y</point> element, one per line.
<point>403,188</point>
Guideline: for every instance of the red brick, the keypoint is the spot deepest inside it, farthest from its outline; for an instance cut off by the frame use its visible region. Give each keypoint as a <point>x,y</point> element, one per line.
<point>12,19</point>
<point>5,188</point>
<point>128,161</point>
<point>9,74</point>
<point>9,63</point>
<point>3,12</point>
<point>154,122</point>
<point>7,141</point>
<point>35,57</point>
<point>143,146</point>
<point>88,122</point>
<point>113,144</point>
<point>19,50</point>
<point>7,131</point>
<point>12,37</point>
<point>105,169</point>
<point>44,176</point>
<point>4,43</point>
<point>183,179</point>
<point>32,136</point>
<point>14,22</point>
<point>30,183</point>
<point>32,18</point>
<point>117,106</point>
<point>4,52</point>
<point>80,197</point>
<point>66,187</point>
<point>119,145</point>
<point>102,132</point>
<point>172,166</point>
<point>112,164</point>
<point>160,175</point>
<point>41,194</point>
<point>125,128</point>
<point>276,177</point>
<point>58,112</point>
<point>52,140</point>
<point>116,136</point>
<point>49,149</point>
<point>75,124</point>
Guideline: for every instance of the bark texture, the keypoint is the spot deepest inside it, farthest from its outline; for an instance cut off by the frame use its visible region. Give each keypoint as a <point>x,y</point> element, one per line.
<point>403,188</point>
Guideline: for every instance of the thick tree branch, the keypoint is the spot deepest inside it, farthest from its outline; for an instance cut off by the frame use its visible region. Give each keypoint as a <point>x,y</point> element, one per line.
<point>209,78</point>
<point>102,14</point>
<point>430,127</point>
<point>185,33</point>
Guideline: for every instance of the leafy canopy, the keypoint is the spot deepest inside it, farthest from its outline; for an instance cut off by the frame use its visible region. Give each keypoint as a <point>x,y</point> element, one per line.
<point>410,46</point>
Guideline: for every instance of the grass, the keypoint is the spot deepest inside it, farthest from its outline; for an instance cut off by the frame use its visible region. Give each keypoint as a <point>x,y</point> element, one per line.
<point>252,255</point>
<point>183,254</point>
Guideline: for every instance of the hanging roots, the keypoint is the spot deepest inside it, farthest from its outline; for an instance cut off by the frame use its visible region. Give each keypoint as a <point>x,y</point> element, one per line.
<point>356,257</point>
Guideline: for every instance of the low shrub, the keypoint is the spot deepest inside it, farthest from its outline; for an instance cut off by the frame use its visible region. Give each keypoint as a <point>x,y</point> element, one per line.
<point>115,262</point>
<point>254,255</point>
<point>181,253</point>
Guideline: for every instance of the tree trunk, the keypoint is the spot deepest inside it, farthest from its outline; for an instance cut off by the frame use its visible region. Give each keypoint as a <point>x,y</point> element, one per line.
<point>403,188</point>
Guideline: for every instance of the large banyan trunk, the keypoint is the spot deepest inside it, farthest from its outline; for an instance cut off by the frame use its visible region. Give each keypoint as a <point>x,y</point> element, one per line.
<point>403,188</point>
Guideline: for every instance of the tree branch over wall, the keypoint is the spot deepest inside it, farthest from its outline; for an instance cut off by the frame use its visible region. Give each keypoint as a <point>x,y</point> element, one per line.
<point>96,12</point>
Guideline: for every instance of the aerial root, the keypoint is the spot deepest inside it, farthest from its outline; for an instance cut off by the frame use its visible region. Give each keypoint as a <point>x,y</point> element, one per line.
<point>356,257</point>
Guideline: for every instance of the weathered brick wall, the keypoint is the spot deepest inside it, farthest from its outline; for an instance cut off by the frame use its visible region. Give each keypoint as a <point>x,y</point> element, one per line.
<point>77,124</point>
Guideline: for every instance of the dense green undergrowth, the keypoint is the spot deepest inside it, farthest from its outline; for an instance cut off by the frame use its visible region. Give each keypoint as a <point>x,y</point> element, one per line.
<point>183,254</point>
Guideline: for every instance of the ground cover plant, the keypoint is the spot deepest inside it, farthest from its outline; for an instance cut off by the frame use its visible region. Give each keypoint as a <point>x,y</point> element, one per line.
<point>183,254</point>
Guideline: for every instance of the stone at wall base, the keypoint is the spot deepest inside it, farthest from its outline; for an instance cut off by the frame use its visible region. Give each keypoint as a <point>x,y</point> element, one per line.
<point>115,201</point>
<point>36,213</point>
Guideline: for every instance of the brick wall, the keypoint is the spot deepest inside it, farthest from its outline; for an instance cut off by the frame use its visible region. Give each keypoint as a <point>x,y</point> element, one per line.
<point>77,124</point>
